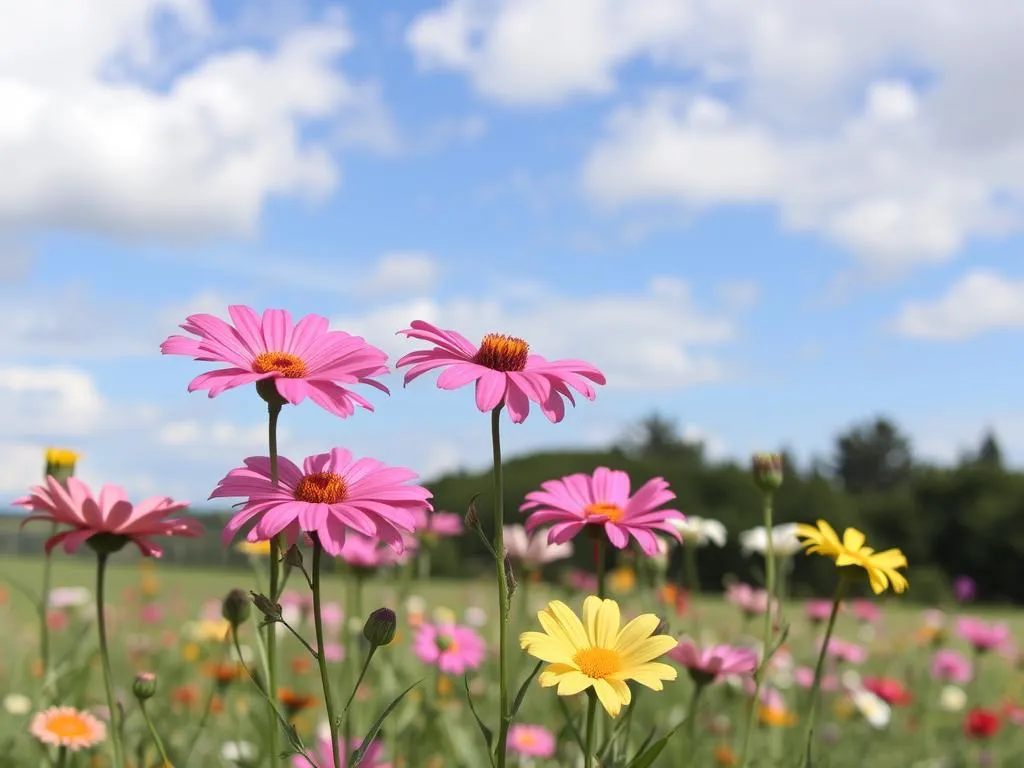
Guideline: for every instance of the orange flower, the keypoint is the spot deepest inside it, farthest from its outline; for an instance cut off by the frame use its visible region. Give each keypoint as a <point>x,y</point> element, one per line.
<point>294,702</point>
<point>185,695</point>
<point>778,717</point>
<point>444,686</point>
<point>67,727</point>
<point>224,673</point>
<point>302,665</point>
<point>725,756</point>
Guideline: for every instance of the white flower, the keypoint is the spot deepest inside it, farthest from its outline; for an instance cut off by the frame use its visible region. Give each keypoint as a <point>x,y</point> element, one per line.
<point>872,707</point>
<point>16,704</point>
<point>414,604</point>
<point>238,751</point>
<point>784,540</point>
<point>851,680</point>
<point>475,616</point>
<point>952,699</point>
<point>700,530</point>
<point>533,551</point>
<point>70,597</point>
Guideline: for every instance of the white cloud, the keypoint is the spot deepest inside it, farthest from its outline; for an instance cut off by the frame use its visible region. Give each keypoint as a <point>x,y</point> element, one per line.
<point>979,302</point>
<point>58,400</point>
<point>642,340</point>
<point>86,145</point>
<point>400,272</point>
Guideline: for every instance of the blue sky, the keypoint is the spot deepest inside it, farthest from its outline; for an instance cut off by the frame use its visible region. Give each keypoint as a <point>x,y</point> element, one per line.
<point>764,223</point>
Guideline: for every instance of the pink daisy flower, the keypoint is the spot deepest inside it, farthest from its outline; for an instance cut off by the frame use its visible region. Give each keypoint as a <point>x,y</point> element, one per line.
<point>866,611</point>
<point>367,554</point>
<point>109,515</point>
<point>440,524</point>
<point>750,600</point>
<point>504,371</point>
<point>452,648</point>
<point>951,667</point>
<point>804,677</point>
<point>303,359</point>
<point>603,500</point>
<point>982,636</point>
<point>67,727</point>
<point>843,650</point>
<point>324,755</point>
<point>707,664</point>
<point>531,741</point>
<point>533,551</point>
<point>818,611</point>
<point>331,494</point>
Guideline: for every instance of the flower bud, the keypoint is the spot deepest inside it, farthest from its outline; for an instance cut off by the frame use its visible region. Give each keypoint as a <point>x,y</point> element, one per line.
<point>293,556</point>
<point>60,464</point>
<point>267,389</point>
<point>236,607</point>
<point>510,577</point>
<point>472,519</point>
<point>767,468</point>
<point>380,627</point>
<point>144,686</point>
<point>271,611</point>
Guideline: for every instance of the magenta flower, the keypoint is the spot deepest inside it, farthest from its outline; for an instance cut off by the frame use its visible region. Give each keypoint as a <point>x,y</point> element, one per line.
<point>752,601</point>
<point>818,611</point>
<point>603,500</point>
<point>304,359</point>
<point>332,494</point>
<point>324,755</point>
<point>367,554</point>
<point>843,650</point>
<point>982,636</point>
<point>504,371</point>
<point>533,551</point>
<point>804,677</point>
<point>866,611</point>
<point>440,524</point>
<point>531,741</point>
<point>707,664</point>
<point>951,667</point>
<point>452,648</point>
<point>110,515</point>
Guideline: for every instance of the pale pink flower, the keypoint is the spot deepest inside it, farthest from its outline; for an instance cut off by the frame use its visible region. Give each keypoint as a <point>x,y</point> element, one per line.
<point>750,600</point>
<point>707,664</point>
<point>818,611</point>
<point>843,650</point>
<point>110,513</point>
<point>367,554</point>
<point>331,614</point>
<point>804,677</point>
<point>304,359</point>
<point>982,636</point>
<point>324,755</point>
<point>151,613</point>
<point>440,524</point>
<point>934,618</point>
<point>503,369</point>
<point>533,551</point>
<point>67,727</point>
<point>951,667</point>
<point>602,500</point>
<point>452,648</point>
<point>866,611</point>
<point>582,581</point>
<point>332,494</point>
<point>531,741</point>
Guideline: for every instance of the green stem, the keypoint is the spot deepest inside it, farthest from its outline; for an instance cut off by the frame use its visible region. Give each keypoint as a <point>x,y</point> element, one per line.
<point>62,757</point>
<point>156,736</point>
<point>108,679</point>
<point>769,569</point>
<point>812,707</point>
<point>359,680</point>
<point>600,565</point>
<point>588,748</point>
<point>503,597</point>
<point>273,412</point>
<point>321,657</point>
<point>691,722</point>
<point>44,605</point>
<point>693,582</point>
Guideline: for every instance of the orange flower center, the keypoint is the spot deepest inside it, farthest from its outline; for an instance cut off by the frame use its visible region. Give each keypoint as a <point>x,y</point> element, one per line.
<point>527,738</point>
<point>597,663</point>
<point>321,488</point>
<point>502,353</point>
<point>603,509</point>
<point>446,644</point>
<point>67,726</point>
<point>288,365</point>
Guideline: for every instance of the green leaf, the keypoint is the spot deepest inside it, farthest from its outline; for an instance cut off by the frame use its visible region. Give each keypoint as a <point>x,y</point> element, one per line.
<point>522,690</point>
<point>359,754</point>
<point>487,733</point>
<point>646,757</point>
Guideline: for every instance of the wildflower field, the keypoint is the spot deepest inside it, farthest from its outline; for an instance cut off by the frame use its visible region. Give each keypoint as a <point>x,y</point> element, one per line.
<point>337,647</point>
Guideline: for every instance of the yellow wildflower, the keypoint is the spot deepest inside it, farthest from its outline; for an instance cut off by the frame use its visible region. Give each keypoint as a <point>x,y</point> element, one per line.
<point>879,566</point>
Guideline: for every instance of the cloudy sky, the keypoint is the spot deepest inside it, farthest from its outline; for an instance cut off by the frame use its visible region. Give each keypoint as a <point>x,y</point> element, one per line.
<point>767,220</point>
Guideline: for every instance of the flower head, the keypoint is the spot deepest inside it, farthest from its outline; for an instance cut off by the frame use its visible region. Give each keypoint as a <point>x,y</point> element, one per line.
<point>948,666</point>
<point>597,652</point>
<point>450,647</point>
<point>890,689</point>
<point>751,600</point>
<point>302,359</point>
<point>881,567</point>
<point>531,741</point>
<point>533,551</point>
<point>67,727</point>
<point>964,589</point>
<point>109,516</point>
<point>874,708</point>
<point>844,650</point>
<point>701,530</point>
<point>707,664</point>
<point>438,525</point>
<point>982,636</point>
<point>866,611</point>
<point>784,540</point>
<point>981,723</point>
<point>818,611</point>
<point>367,554</point>
<point>602,500</point>
<point>330,495</point>
<point>504,371</point>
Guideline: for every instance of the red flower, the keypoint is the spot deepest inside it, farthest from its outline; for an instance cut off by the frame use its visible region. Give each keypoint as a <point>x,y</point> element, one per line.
<point>889,690</point>
<point>981,723</point>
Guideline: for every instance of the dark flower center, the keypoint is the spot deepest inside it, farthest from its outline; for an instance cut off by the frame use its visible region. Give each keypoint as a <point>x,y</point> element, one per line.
<point>288,365</point>
<point>502,353</point>
<point>321,488</point>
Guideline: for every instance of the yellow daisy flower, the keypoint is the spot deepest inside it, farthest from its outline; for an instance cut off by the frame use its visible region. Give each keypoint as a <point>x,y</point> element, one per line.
<point>597,653</point>
<point>879,566</point>
<point>253,547</point>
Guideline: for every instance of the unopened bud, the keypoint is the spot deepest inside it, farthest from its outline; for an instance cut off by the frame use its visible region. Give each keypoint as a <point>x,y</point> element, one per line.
<point>60,464</point>
<point>144,686</point>
<point>380,627</point>
<point>662,628</point>
<point>510,577</point>
<point>271,611</point>
<point>293,556</point>
<point>472,518</point>
<point>767,468</point>
<point>235,607</point>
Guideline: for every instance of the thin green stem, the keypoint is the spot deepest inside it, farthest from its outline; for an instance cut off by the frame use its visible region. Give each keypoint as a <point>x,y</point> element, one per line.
<point>44,604</point>
<point>321,657</point>
<point>62,757</point>
<point>116,747</point>
<point>588,748</point>
<point>812,707</point>
<point>156,736</point>
<point>359,680</point>
<point>600,565</point>
<point>691,722</point>
<point>693,582</point>
<point>503,596</point>
<point>273,412</point>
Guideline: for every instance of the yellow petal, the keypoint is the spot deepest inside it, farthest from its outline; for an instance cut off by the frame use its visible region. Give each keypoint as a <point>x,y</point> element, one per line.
<point>591,607</point>
<point>570,623</point>
<point>635,632</point>
<point>608,622</point>
<point>649,649</point>
<point>546,648</point>
<point>878,580</point>
<point>610,700</point>
<point>890,558</point>
<point>554,628</point>
<point>899,581</point>
<point>621,690</point>
<point>828,534</point>
<point>853,539</point>
<point>650,674</point>
<point>573,682</point>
